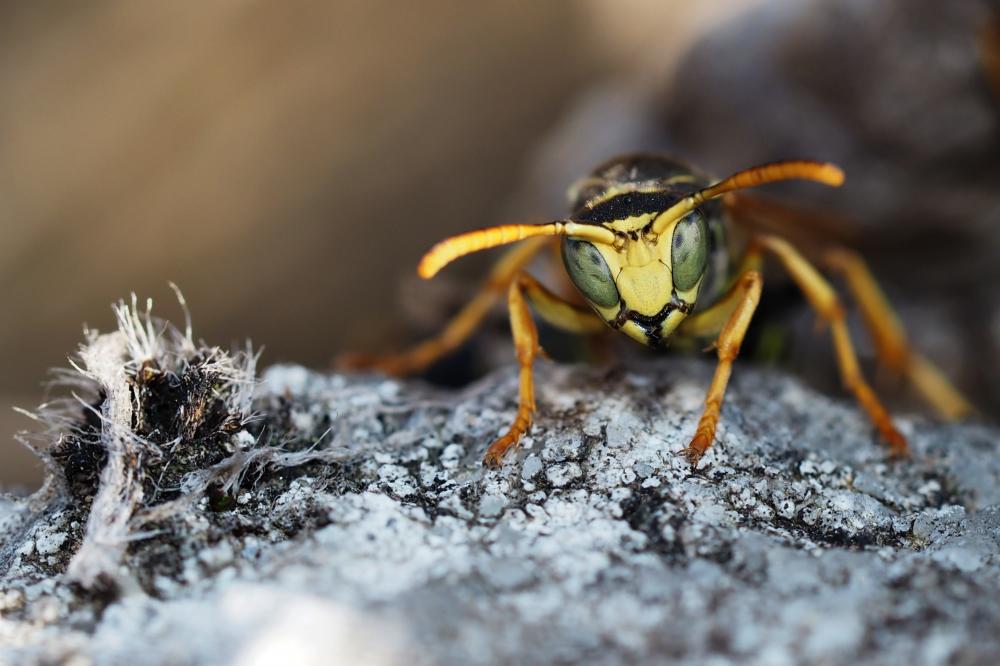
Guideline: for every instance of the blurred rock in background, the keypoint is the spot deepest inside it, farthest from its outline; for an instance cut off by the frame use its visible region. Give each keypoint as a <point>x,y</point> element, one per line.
<point>284,163</point>
<point>906,97</point>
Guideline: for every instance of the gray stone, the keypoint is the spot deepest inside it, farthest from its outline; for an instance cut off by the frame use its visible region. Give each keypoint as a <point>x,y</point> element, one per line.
<point>370,533</point>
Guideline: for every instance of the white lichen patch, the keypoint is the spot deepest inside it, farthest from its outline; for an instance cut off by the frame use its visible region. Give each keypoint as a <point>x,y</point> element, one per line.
<point>47,542</point>
<point>793,542</point>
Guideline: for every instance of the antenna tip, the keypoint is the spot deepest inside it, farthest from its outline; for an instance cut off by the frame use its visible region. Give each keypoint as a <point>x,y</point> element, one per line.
<point>830,174</point>
<point>426,269</point>
<point>435,259</point>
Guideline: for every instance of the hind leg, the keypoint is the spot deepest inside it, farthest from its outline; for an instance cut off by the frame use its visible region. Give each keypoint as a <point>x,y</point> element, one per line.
<point>890,338</point>
<point>824,300</point>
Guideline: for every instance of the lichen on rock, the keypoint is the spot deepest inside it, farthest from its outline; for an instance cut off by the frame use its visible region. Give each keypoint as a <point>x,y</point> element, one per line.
<point>348,517</point>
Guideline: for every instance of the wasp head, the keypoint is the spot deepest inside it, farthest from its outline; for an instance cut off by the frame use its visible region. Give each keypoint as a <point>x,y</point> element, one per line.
<point>648,279</point>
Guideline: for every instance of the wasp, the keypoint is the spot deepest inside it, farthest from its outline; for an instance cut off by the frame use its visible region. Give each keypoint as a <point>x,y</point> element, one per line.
<point>655,250</point>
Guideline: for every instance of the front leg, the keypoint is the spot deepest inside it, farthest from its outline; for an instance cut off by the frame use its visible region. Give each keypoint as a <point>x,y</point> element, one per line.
<point>526,346</point>
<point>736,309</point>
<point>555,311</point>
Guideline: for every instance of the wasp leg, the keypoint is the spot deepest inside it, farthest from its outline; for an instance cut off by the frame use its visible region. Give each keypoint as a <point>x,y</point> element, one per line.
<point>418,358</point>
<point>890,337</point>
<point>557,312</point>
<point>824,300</point>
<point>730,318</point>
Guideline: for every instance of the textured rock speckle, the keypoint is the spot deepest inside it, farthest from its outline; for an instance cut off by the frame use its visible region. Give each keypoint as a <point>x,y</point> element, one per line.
<point>795,541</point>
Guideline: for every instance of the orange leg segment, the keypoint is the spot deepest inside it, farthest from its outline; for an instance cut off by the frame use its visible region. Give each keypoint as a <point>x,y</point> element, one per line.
<point>824,300</point>
<point>526,346</point>
<point>420,357</point>
<point>737,308</point>
<point>554,310</point>
<point>890,338</point>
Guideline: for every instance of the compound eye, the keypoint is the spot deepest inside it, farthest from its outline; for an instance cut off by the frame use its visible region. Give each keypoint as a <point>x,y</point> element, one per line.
<point>689,250</point>
<point>589,272</point>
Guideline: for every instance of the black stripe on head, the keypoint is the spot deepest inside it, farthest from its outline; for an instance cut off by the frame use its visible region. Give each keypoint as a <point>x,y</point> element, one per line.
<point>629,204</point>
<point>624,314</point>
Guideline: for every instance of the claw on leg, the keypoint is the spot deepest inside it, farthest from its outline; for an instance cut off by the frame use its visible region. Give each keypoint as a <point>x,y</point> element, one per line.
<point>499,448</point>
<point>525,411</point>
<point>704,434</point>
<point>700,443</point>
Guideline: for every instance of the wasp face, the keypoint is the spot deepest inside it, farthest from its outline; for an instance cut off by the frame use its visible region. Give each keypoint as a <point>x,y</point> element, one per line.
<point>644,284</point>
<point>646,242</point>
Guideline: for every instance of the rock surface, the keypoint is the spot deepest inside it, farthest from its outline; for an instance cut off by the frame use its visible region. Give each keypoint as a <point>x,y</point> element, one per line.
<point>795,540</point>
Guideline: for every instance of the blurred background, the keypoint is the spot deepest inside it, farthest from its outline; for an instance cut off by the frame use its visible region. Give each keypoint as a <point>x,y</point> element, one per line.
<point>287,163</point>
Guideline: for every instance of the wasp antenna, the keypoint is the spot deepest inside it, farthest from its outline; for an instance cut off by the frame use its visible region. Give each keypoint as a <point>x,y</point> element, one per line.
<point>454,247</point>
<point>820,172</point>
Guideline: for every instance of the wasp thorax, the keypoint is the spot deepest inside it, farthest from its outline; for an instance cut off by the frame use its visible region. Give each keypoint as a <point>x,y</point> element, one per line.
<point>622,173</point>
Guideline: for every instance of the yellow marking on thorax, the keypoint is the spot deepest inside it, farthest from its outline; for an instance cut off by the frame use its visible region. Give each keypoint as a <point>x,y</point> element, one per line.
<point>644,187</point>
<point>610,191</point>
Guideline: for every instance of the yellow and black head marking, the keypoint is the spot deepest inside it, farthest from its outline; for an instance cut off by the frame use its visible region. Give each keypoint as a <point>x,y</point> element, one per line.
<point>647,281</point>
<point>647,246</point>
<point>646,243</point>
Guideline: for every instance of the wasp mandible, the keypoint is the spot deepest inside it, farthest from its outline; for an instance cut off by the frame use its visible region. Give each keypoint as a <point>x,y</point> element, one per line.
<point>652,247</point>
